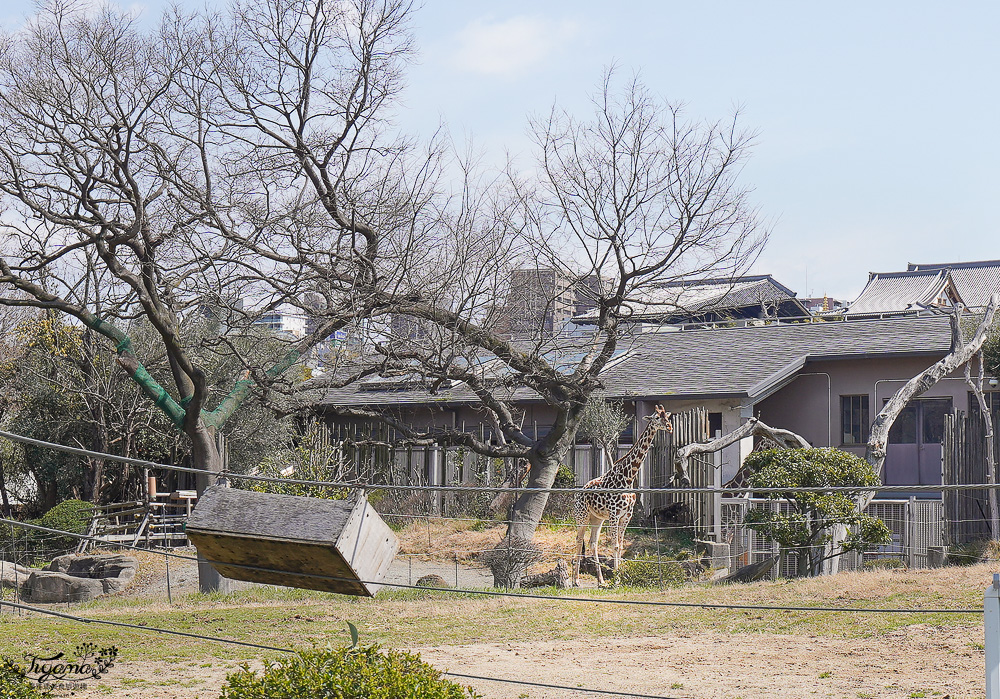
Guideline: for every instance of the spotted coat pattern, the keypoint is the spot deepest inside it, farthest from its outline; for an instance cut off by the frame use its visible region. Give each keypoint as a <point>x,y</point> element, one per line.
<point>593,509</point>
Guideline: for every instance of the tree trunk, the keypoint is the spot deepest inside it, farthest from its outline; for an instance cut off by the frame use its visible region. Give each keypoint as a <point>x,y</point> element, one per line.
<point>4,502</point>
<point>544,459</point>
<point>206,455</point>
<point>529,506</point>
<point>984,409</point>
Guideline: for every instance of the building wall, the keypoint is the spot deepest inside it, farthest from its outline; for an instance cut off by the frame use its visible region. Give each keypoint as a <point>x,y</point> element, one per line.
<point>810,405</point>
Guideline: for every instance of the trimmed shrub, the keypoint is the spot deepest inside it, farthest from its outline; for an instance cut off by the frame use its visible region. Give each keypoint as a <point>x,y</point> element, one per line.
<point>805,527</point>
<point>365,672</point>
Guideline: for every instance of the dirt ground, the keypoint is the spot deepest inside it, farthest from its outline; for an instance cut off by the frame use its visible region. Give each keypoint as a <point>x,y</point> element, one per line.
<point>918,661</point>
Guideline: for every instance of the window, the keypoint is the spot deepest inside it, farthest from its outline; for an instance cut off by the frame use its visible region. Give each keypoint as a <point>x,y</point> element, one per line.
<point>714,424</point>
<point>992,402</point>
<point>854,419</point>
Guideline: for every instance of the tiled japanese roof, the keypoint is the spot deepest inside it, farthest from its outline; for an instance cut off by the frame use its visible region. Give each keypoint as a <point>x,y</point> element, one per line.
<point>897,292</point>
<point>698,296</point>
<point>976,281</point>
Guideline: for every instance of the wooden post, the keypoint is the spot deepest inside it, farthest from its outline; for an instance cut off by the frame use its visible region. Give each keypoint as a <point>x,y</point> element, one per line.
<point>717,496</point>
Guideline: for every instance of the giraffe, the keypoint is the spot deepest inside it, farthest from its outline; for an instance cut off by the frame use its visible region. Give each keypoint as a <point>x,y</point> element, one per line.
<point>593,509</point>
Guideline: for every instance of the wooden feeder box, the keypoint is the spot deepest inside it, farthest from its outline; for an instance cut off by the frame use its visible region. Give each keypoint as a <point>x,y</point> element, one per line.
<point>294,538</point>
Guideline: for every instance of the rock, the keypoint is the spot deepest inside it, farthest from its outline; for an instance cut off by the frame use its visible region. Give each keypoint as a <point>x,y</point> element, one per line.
<point>13,575</point>
<point>432,580</point>
<point>94,575</point>
<point>937,556</point>
<point>50,586</point>
<point>607,566</point>
<point>719,574</point>
<point>98,566</point>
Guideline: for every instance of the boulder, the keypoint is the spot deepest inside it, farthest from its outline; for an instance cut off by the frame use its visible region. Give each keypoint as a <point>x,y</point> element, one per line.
<point>73,578</point>
<point>50,586</point>
<point>13,575</point>
<point>432,580</point>
<point>97,566</point>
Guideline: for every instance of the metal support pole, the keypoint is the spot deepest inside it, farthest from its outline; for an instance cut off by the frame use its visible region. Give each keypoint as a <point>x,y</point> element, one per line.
<point>659,562</point>
<point>991,614</point>
<point>166,559</point>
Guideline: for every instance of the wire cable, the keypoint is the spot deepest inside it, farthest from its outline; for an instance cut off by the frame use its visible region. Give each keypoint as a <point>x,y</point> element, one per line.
<point>497,593</point>
<point>729,492</point>
<point>259,646</point>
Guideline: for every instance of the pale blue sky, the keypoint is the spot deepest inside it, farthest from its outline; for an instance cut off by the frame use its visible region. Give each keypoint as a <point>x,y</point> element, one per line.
<point>877,120</point>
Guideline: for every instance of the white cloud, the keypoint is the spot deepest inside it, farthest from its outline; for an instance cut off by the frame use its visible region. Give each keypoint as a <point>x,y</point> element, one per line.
<point>509,47</point>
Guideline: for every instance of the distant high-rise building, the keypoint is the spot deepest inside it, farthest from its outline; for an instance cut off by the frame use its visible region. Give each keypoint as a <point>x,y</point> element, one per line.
<point>541,301</point>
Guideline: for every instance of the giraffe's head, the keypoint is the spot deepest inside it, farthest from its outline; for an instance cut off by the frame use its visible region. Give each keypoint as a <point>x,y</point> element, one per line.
<point>660,419</point>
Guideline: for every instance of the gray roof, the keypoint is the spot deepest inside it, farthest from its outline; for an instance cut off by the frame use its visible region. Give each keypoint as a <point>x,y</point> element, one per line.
<point>975,281</point>
<point>903,292</point>
<point>752,361</point>
<point>748,362</point>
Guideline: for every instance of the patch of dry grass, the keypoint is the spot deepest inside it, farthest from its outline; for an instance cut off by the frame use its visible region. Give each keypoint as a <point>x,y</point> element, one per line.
<point>443,539</point>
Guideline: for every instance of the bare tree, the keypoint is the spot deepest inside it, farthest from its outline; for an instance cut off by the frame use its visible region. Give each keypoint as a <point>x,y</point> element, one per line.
<point>231,164</point>
<point>219,165</point>
<point>629,198</point>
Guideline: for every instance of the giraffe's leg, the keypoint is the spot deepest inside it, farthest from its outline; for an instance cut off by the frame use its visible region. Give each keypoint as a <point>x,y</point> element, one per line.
<point>595,534</point>
<point>613,533</point>
<point>623,520</point>
<point>580,515</point>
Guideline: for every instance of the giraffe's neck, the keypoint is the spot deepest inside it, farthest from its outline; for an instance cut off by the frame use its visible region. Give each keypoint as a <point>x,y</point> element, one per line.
<point>623,472</point>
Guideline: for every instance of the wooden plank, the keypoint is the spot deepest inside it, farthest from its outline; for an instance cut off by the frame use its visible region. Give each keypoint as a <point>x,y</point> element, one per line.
<point>286,538</point>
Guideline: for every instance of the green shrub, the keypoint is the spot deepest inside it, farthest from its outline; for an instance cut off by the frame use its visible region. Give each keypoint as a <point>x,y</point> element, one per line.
<point>647,571</point>
<point>364,672</point>
<point>30,547</point>
<point>887,563</point>
<point>14,684</point>
<point>965,554</point>
<point>805,527</point>
<point>68,516</point>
